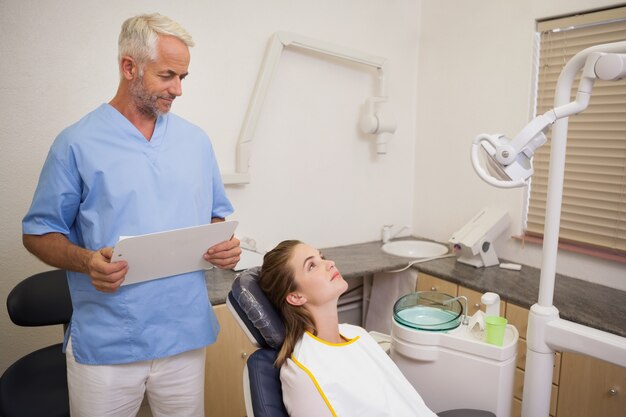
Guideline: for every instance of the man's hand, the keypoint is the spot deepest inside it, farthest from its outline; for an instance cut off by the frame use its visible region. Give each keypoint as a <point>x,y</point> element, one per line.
<point>106,276</point>
<point>224,255</point>
<point>56,250</point>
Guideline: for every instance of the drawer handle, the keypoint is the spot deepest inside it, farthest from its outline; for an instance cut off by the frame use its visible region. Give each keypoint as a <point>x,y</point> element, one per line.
<point>613,392</point>
<point>433,288</point>
<point>244,355</point>
<point>477,305</point>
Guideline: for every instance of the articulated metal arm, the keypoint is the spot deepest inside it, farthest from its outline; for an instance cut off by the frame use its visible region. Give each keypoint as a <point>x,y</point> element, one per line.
<point>510,159</point>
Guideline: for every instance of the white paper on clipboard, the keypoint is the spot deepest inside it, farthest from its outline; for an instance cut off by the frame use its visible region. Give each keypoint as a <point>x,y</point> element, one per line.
<point>173,252</point>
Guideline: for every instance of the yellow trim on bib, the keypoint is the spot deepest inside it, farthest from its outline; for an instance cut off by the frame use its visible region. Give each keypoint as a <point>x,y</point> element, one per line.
<point>305,369</point>
<point>332,344</point>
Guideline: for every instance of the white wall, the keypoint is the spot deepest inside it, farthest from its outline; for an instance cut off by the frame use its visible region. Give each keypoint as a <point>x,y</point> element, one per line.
<point>475,76</point>
<point>314,176</point>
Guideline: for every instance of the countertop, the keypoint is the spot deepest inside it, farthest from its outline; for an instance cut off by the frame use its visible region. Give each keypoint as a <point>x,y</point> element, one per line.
<point>578,301</point>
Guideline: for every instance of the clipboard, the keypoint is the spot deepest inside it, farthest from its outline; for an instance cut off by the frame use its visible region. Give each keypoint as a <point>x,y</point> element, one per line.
<point>173,252</point>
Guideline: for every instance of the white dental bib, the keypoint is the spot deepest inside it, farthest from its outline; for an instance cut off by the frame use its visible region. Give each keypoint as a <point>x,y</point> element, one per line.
<point>357,377</point>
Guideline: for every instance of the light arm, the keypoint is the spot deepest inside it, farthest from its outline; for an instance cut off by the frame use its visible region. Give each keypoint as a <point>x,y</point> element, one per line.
<point>511,159</point>
<point>546,331</point>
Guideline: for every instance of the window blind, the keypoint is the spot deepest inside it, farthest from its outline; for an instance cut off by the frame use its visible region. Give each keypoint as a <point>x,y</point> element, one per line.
<point>593,213</point>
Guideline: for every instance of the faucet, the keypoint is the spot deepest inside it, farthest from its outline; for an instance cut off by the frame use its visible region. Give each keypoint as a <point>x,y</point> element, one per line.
<point>386,232</point>
<point>465,315</point>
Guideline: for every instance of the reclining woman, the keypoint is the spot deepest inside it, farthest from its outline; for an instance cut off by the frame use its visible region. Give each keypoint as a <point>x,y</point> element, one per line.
<point>327,368</point>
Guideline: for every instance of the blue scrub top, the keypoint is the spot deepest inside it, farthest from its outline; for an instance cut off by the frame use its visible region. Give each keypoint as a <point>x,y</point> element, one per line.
<point>102,180</point>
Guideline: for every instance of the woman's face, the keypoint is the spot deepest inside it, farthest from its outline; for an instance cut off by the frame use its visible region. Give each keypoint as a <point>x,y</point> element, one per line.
<point>318,279</point>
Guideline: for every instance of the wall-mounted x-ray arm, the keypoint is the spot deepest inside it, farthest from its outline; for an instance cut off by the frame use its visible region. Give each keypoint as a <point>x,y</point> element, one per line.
<point>375,122</point>
<point>510,160</point>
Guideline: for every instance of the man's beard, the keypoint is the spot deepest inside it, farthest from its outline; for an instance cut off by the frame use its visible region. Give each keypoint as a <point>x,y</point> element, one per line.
<point>146,103</point>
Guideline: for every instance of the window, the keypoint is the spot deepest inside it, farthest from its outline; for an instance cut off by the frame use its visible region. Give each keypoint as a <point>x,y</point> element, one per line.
<point>593,214</point>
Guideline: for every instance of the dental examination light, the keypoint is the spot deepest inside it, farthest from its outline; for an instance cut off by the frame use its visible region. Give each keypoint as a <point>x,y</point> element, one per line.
<point>510,163</point>
<point>510,159</point>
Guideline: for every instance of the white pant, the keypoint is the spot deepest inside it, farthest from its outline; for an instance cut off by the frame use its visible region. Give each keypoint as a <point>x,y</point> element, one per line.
<point>174,386</point>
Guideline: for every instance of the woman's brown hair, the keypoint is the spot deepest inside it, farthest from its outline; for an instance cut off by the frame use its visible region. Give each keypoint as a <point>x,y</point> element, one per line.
<point>277,281</point>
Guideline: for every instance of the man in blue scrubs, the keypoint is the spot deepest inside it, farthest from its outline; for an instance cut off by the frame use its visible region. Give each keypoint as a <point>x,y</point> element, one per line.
<point>128,168</point>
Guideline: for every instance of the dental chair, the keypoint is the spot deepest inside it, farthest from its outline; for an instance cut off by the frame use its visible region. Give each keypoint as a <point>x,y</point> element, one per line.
<point>264,327</point>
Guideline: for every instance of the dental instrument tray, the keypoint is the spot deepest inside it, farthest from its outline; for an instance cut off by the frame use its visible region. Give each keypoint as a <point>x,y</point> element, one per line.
<point>428,310</point>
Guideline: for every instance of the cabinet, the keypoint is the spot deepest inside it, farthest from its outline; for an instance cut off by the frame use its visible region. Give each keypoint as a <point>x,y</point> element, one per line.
<point>225,361</point>
<point>581,386</point>
<point>591,387</point>
<point>427,282</point>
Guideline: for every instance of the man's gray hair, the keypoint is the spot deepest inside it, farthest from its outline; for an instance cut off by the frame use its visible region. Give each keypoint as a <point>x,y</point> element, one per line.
<point>139,35</point>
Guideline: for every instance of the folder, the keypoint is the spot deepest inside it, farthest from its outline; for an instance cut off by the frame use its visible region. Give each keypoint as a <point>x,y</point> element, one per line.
<point>173,252</point>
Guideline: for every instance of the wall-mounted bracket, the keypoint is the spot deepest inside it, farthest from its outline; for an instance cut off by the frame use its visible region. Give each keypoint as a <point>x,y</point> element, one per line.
<point>278,42</point>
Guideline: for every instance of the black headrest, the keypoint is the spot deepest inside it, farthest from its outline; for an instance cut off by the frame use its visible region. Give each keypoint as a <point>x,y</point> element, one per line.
<point>41,300</point>
<point>256,310</point>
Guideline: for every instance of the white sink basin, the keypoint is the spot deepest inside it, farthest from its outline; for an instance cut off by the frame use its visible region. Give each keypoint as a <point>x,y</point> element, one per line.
<point>414,248</point>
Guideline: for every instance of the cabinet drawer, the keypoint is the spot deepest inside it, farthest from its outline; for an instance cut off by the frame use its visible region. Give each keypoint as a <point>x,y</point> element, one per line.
<point>516,408</point>
<point>591,387</point>
<point>518,317</point>
<point>225,360</point>
<point>518,384</point>
<point>521,354</point>
<point>427,282</point>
